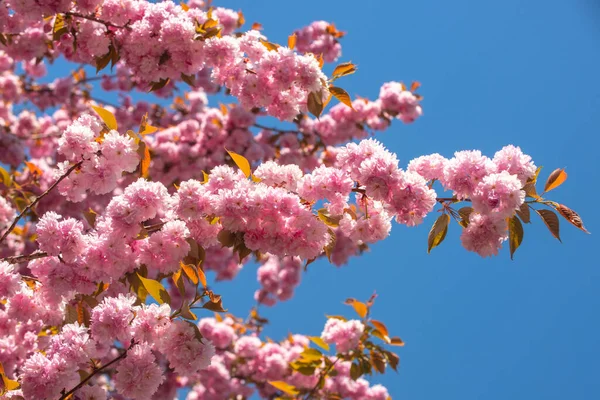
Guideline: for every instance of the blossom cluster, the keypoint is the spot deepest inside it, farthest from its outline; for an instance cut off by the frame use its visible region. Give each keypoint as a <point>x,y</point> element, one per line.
<point>48,362</point>
<point>495,187</point>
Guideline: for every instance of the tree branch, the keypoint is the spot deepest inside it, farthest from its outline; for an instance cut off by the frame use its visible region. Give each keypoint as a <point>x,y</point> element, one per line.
<point>275,129</point>
<point>92,18</point>
<point>37,199</point>
<point>25,257</point>
<point>322,376</point>
<point>83,382</point>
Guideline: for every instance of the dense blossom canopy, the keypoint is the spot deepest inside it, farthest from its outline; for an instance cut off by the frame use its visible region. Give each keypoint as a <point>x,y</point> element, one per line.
<point>111,215</point>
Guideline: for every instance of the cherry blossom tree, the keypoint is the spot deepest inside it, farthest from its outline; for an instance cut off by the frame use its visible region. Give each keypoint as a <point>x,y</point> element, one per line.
<point>112,215</point>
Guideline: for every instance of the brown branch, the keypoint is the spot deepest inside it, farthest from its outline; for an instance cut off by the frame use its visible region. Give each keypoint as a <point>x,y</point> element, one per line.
<point>37,199</point>
<point>83,382</point>
<point>452,199</point>
<point>322,376</point>
<point>92,18</point>
<point>25,257</point>
<point>275,129</point>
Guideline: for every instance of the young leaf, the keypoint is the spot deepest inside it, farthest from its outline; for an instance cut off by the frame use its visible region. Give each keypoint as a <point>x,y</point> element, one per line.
<point>33,169</point>
<point>324,216</point>
<point>155,289</point>
<point>241,162</point>
<point>144,154</point>
<point>438,231</point>
<point>270,46</point>
<point>414,86</point>
<point>6,178</point>
<point>341,95</point>
<point>315,103</point>
<point>189,79</point>
<point>158,85</point>
<point>556,178</point>
<point>343,69</point>
<point>319,342</point>
<point>190,272</point>
<point>186,312</point>
<point>378,362</point>
<point>292,41</point>
<point>359,307</point>
<point>331,244</point>
<point>551,220</point>
<point>396,341</point>
<point>337,317</point>
<point>178,281</point>
<point>201,277</point>
<point>524,214</point>
<point>465,213</point>
<point>107,117</point>
<point>380,326</point>
<point>515,234</point>
<point>571,216</point>
<point>284,387</point>
<point>59,28</point>
<point>10,384</point>
<point>530,190</point>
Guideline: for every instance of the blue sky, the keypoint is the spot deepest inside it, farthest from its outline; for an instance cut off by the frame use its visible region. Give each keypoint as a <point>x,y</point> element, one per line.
<point>493,73</point>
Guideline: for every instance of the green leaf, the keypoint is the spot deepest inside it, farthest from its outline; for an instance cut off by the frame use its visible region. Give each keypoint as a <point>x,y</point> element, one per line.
<point>515,234</point>
<point>438,231</point>
<point>107,117</point>
<point>155,289</point>
<point>556,178</point>
<point>551,220</point>
<point>284,387</point>
<point>241,162</point>
<point>319,342</point>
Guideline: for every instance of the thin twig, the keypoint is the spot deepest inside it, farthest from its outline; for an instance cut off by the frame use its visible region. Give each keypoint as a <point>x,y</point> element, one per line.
<point>83,382</point>
<point>37,199</point>
<point>25,257</point>
<point>92,18</point>
<point>322,376</point>
<point>275,129</point>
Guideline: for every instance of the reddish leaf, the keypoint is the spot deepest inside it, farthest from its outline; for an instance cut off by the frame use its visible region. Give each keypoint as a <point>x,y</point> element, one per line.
<point>551,220</point>
<point>571,216</point>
